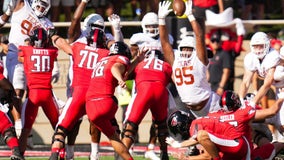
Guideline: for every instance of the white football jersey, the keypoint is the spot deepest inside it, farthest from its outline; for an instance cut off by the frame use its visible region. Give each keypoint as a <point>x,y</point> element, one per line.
<point>252,63</point>
<point>190,79</point>
<point>279,77</point>
<point>23,22</point>
<point>144,40</point>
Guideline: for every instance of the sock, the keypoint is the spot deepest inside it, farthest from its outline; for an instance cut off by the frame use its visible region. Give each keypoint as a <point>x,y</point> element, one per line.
<point>12,142</point>
<point>94,148</point>
<point>151,146</point>
<point>55,150</point>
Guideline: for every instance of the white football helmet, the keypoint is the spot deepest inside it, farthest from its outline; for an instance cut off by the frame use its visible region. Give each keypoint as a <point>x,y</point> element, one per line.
<point>36,4</point>
<point>260,38</point>
<point>188,41</point>
<point>150,18</point>
<point>93,21</point>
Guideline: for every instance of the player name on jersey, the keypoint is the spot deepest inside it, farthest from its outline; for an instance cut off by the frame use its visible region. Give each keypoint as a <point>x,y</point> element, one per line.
<point>41,51</point>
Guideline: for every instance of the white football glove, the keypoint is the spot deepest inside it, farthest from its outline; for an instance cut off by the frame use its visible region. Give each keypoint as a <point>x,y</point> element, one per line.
<point>173,143</point>
<point>188,10</point>
<point>86,1</point>
<point>18,127</point>
<point>114,19</point>
<point>4,107</point>
<point>163,11</point>
<point>55,72</point>
<point>10,7</point>
<point>239,27</point>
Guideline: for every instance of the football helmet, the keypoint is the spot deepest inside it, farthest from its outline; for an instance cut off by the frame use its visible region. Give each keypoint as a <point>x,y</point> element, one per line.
<point>189,42</point>
<point>154,53</point>
<point>120,48</point>
<point>249,97</point>
<point>230,101</point>
<point>39,39</point>
<point>260,38</point>
<point>179,123</point>
<point>96,38</point>
<point>150,24</point>
<point>92,22</point>
<point>40,7</point>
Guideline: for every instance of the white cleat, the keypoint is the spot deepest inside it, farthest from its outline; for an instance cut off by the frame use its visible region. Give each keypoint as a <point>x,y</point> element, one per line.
<point>95,156</point>
<point>150,154</point>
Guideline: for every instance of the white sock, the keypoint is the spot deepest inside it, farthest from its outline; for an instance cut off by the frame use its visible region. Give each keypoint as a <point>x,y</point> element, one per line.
<point>151,146</point>
<point>94,148</point>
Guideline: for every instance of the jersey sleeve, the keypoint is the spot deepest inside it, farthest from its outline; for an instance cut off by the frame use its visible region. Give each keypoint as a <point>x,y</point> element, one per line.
<point>134,39</point>
<point>273,59</point>
<point>251,62</point>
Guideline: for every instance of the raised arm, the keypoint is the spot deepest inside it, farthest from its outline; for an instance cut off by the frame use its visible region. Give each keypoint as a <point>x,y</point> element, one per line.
<point>62,44</point>
<point>164,35</point>
<point>116,28</point>
<point>74,30</point>
<point>199,34</point>
<point>4,18</point>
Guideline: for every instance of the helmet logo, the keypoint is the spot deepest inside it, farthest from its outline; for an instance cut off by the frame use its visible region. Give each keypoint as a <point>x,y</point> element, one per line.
<point>174,121</point>
<point>234,97</point>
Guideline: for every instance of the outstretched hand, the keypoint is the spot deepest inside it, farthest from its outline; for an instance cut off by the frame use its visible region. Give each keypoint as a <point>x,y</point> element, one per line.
<point>114,19</point>
<point>188,8</point>
<point>172,142</point>
<point>10,7</point>
<point>240,27</point>
<point>164,9</point>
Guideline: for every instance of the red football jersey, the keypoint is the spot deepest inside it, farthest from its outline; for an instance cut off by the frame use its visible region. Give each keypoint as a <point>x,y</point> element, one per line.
<point>102,81</point>
<point>240,119</point>
<point>85,59</point>
<point>155,69</point>
<point>214,126</point>
<point>38,65</point>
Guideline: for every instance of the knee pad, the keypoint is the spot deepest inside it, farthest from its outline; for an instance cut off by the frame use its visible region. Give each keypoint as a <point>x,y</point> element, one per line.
<point>9,133</point>
<point>63,133</point>
<point>131,133</point>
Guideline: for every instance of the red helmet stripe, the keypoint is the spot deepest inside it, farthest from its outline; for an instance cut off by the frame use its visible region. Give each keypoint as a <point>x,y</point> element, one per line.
<point>40,34</point>
<point>95,35</point>
<point>223,99</point>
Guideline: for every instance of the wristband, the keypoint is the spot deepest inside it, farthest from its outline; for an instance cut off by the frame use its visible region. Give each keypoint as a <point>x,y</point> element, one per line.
<point>86,1</point>
<point>162,21</point>
<point>191,18</point>
<point>1,21</point>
